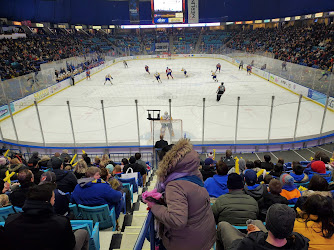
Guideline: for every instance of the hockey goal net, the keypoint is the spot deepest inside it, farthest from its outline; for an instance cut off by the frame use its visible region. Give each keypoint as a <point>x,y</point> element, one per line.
<point>167,129</point>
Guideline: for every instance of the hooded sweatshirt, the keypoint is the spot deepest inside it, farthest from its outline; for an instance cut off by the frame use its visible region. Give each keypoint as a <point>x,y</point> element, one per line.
<point>216,185</point>
<point>300,178</point>
<point>92,192</point>
<point>256,191</point>
<point>66,181</point>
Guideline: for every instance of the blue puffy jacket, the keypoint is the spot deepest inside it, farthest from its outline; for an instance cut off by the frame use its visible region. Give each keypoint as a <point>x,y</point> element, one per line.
<point>92,192</point>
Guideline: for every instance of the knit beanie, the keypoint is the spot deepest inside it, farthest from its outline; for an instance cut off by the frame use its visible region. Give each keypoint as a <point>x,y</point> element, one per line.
<point>287,179</point>
<point>319,167</point>
<point>250,177</point>
<point>3,161</point>
<point>234,181</point>
<point>208,161</point>
<point>280,220</point>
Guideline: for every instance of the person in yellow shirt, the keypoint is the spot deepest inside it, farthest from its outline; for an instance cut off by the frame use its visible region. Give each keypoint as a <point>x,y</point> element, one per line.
<point>317,222</point>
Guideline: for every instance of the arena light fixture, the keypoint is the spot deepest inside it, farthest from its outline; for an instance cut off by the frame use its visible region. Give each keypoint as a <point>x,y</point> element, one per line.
<point>181,25</point>
<point>266,21</point>
<point>275,20</point>
<point>78,27</point>
<point>239,22</point>
<point>287,19</point>
<point>331,13</point>
<point>249,22</point>
<point>297,17</point>
<point>308,16</point>
<point>96,27</point>
<point>39,25</point>
<point>258,21</point>
<point>17,23</point>
<point>229,23</point>
<point>320,14</point>
<point>112,26</point>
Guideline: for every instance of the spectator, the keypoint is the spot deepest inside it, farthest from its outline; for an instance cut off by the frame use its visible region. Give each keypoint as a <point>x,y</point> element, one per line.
<point>66,180</point>
<point>318,167</point>
<point>267,179</point>
<point>40,225</point>
<point>251,188</point>
<point>257,166</point>
<point>267,164</point>
<point>317,222</point>
<point>43,163</point>
<point>105,159</point>
<point>208,169</point>
<point>277,171</point>
<point>235,207</point>
<point>228,159</point>
<point>217,185</point>
<point>86,159</point>
<point>289,190</point>
<point>162,143</point>
<point>298,173</point>
<point>93,191</point>
<point>110,168</point>
<point>55,157</point>
<point>317,185</point>
<point>242,167</point>
<point>4,200</point>
<point>36,172</point>
<point>33,160</point>
<point>139,161</point>
<point>26,180</point>
<point>278,233</point>
<point>64,155</point>
<point>136,168</point>
<point>62,201</point>
<point>96,161</point>
<point>271,197</point>
<point>117,170</point>
<point>67,165</point>
<point>80,169</point>
<point>187,219</point>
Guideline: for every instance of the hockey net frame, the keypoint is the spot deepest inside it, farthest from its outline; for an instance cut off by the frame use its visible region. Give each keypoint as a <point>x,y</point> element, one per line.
<point>177,125</point>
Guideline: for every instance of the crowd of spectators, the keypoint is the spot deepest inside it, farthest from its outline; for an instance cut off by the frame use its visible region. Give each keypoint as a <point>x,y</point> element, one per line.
<point>311,46</point>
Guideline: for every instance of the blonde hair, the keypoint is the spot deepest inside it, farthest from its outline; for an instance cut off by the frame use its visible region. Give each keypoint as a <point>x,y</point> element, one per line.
<point>81,167</point>
<point>117,169</point>
<point>105,157</point>
<point>4,200</point>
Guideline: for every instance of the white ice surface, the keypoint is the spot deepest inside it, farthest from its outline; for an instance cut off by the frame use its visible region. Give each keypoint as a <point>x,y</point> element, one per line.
<point>187,104</point>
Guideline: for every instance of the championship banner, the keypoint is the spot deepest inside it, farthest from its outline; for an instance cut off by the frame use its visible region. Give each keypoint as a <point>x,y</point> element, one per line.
<point>134,11</point>
<point>193,15</point>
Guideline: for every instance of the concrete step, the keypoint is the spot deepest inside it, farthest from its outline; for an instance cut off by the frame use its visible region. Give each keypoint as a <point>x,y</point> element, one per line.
<point>138,220</point>
<point>132,229</point>
<point>129,240</point>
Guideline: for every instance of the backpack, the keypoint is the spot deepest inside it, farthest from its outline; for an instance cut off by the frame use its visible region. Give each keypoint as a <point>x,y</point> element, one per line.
<point>229,162</point>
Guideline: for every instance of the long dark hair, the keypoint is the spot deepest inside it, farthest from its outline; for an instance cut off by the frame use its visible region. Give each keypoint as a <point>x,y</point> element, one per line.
<point>323,207</point>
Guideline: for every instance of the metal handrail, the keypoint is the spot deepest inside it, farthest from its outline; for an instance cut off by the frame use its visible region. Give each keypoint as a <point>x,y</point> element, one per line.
<point>147,226</point>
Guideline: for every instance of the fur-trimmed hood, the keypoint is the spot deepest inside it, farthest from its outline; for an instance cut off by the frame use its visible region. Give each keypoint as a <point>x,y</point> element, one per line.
<point>181,158</point>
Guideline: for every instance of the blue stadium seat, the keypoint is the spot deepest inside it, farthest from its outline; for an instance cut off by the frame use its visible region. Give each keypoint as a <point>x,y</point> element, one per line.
<point>5,211</point>
<point>101,214</point>
<point>74,210</point>
<point>132,182</point>
<point>94,236</point>
<point>18,209</point>
<point>305,184</point>
<point>130,187</point>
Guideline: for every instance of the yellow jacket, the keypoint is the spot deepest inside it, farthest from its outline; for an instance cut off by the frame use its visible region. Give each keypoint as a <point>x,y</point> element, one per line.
<point>313,233</point>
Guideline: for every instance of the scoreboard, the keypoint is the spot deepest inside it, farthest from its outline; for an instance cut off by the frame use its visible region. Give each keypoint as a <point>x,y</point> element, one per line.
<point>168,11</point>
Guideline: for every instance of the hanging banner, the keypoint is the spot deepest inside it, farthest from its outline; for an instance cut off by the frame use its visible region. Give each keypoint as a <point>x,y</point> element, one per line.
<point>134,11</point>
<point>193,15</point>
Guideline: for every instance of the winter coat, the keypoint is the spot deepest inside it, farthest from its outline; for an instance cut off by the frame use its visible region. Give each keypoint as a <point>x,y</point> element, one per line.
<point>136,168</point>
<point>37,174</point>
<point>62,201</point>
<point>161,144</point>
<point>18,197</point>
<point>302,178</point>
<point>269,199</point>
<point>65,155</point>
<point>216,185</point>
<point>257,241</point>
<point>92,192</point>
<point>79,175</point>
<point>257,191</point>
<point>235,207</point>
<point>268,166</point>
<point>33,161</point>
<point>187,221</point>
<point>66,181</point>
<point>41,228</point>
<point>313,232</point>
<point>291,193</point>
<point>142,163</point>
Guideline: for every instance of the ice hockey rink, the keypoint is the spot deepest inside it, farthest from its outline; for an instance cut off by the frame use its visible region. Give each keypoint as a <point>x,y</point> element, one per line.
<point>133,83</point>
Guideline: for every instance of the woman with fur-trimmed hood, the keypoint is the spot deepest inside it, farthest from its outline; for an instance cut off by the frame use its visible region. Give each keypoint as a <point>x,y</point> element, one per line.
<point>186,221</point>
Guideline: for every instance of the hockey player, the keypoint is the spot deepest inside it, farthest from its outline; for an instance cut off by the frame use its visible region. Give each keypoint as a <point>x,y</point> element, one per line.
<point>284,66</point>
<point>87,74</point>
<point>241,65</point>
<point>157,77</point>
<point>249,70</point>
<point>220,91</point>
<point>184,72</point>
<point>325,73</point>
<point>214,76</point>
<point>218,67</point>
<point>147,69</point>
<point>108,78</point>
<point>169,73</point>
<point>166,123</point>
<point>125,64</point>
